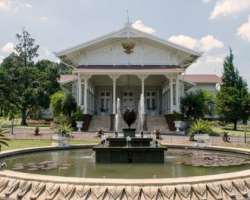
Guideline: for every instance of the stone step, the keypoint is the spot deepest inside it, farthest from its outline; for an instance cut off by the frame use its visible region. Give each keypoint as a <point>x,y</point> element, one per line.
<point>100,122</point>
<point>157,122</point>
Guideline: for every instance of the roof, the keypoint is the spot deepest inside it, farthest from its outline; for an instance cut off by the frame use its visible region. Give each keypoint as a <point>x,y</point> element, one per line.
<point>67,78</point>
<point>202,78</point>
<point>128,31</point>
<point>192,78</point>
<point>128,67</point>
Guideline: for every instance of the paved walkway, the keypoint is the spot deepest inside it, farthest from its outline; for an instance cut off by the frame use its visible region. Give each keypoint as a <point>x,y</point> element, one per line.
<point>46,133</point>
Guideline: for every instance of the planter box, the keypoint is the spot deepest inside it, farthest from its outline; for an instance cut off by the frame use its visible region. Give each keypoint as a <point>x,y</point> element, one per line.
<point>61,141</point>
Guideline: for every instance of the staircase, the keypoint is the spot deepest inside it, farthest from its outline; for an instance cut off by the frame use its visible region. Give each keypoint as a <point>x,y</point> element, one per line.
<point>100,122</point>
<point>157,122</point>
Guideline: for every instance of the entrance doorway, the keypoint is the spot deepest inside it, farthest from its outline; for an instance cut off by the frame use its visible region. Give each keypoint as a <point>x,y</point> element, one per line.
<point>151,102</point>
<point>105,102</point>
<point>128,100</point>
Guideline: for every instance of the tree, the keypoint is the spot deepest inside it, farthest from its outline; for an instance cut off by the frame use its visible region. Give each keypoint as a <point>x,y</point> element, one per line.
<point>27,86</point>
<point>233,99</point>
<point>63,103</point>
<point>197,104</point>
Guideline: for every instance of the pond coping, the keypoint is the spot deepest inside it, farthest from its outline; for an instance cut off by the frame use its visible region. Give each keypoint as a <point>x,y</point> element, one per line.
<point>236,184</point>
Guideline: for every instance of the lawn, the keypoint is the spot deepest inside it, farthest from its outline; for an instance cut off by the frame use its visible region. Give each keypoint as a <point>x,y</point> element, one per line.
<point>242,129</point>
<point>19,144</point>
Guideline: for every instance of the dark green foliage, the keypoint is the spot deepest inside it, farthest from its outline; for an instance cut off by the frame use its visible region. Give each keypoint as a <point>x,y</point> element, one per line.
<point>3,139</point>
<point>78,115</point>
<point>233,102</point>
<point>69,105</point>
<point>26,86</point>
<point>196,105</point>
<point>63,103</point>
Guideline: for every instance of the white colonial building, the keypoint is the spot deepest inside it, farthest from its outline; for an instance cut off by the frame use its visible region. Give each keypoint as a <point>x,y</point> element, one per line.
<point>125,64</point>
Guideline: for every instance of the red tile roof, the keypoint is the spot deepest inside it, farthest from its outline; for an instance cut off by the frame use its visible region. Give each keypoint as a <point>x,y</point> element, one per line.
<point>67,78</point>
<point>202,78</point>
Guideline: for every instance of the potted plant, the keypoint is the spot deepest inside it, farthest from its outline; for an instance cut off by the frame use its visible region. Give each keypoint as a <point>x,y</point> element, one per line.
<point>129,117</point>
<point>78,116</point>
<point>178,121</point>
<point>200,130</point>
<point>63,132</point>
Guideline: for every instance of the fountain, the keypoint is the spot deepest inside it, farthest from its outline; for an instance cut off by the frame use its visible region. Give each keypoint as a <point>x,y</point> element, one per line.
<point>128,148</point>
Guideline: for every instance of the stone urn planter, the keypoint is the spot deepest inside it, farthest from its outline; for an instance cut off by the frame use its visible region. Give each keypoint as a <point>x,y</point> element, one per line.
<point>178,125</point>
<point>60,141</point>
<point>78,117</point>
<point>79,125</point>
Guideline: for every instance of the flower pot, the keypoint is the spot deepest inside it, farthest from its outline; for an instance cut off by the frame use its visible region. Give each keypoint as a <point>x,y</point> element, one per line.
<point>61,141</point>
<point>127,132</point>
<point>79,125</point>
<point>178,125</point>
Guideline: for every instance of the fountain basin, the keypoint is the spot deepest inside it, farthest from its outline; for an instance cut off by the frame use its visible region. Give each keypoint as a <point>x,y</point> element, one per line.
<point>129,154</point>
<point>121,142</point>
<point>129,132</point>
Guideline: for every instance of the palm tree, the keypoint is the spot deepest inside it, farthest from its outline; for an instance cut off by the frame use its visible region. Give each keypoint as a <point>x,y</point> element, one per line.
<point>3,139</point>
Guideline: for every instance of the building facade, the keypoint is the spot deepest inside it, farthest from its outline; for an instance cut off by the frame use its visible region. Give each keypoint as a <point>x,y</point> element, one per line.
<point>125,64</point>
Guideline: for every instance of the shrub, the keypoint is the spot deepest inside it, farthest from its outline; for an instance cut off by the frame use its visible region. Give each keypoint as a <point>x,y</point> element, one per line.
<point>78,115</point>
<point>63,126</point>
<point>201,127</point>
<point>3,139</point>
<point>63,103</point>
<point>197,104</point>
<point>56,101</point>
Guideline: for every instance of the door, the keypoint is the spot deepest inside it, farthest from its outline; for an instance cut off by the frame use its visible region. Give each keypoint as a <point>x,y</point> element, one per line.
<point>105,102</point>
<point>151,102</point>
<point>128,100</point>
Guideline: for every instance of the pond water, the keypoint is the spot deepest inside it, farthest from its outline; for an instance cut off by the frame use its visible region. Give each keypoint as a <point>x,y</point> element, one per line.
<point>81,163</point>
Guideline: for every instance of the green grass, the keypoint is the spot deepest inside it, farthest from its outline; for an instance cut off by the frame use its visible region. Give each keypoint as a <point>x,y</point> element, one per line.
<point>19,144</point>
<point>240,132</point>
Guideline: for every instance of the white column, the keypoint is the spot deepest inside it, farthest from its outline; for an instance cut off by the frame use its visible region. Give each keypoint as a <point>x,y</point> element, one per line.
<point>114,95</point>
<point>79,86</point>
<point>85,96</point>
<point>177,93</point>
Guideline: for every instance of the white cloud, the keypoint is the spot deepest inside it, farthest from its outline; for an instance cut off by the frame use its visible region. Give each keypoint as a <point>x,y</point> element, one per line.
<point>43,19</point>
<point>228,7</point>
<point>208,64</point>
<point>1,59</point>
<point>4,4</point>
<point>205,43</point>
<point>27,5</point>
<point>206,1</point>
<point>244,30</point>
<point>138,24</point>
<point>8,48</point>
<point>209,42</point>
<point>184,40</point>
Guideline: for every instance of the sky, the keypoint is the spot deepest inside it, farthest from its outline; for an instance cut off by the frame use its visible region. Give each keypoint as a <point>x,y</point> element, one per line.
<point>209,26</point>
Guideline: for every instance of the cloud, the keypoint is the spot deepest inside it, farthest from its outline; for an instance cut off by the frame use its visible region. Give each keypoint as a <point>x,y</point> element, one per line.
<point>244,30</point>
<point>138,24</point>
<point>4,4</point>
<point>43,19</point>
<point>1,59</point>
<point>208,64</point>
<point>8,48</point>
<point>27,5</point>
<point>206,43</point>
<point>229,7</point>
